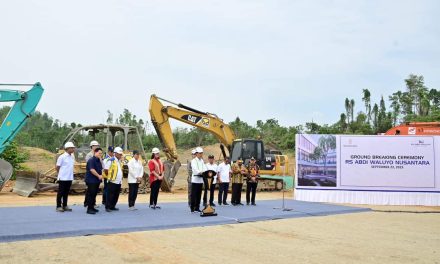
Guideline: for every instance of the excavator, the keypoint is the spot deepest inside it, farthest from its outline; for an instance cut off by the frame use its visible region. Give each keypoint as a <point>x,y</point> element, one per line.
<point>272,166</point>
<point>21,111</point>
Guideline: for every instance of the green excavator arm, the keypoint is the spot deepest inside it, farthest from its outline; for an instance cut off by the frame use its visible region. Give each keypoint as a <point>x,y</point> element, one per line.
<point>24,107</point>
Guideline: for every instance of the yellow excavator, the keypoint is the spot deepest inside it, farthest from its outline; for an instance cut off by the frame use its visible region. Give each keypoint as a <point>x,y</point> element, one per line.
<point>272,166</point>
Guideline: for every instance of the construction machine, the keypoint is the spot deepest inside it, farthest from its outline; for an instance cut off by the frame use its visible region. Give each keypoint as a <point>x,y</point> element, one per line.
<point>272,166</point>
<point>416,129</point>
<point>126,137</point>
<point>20,112</point>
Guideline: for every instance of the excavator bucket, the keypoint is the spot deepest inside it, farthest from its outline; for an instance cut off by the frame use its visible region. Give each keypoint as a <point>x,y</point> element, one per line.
<point>5,172</point>
<point>170,173</point>
<point>26,183</point>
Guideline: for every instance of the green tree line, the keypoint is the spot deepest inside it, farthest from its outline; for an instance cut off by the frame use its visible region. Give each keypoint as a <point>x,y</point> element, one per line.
<point>416,102</point>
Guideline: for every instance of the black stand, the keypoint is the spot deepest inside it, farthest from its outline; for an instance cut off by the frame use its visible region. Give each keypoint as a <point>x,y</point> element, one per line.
<point>208,210</point>
<point>283,207</point>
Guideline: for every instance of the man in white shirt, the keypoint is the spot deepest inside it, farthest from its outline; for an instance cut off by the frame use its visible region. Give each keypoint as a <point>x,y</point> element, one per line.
<point>193,155</point>
<point>223,179</point>
<point>135,174</point>
<point>198,167</point>
<point>64,168</point>
<point>106,166</point>
<point>214,167</point>
<point>114,181</point>
<point>93,145</point>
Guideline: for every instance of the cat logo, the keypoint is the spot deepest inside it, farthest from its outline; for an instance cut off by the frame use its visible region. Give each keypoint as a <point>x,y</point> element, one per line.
<point>205,122</point>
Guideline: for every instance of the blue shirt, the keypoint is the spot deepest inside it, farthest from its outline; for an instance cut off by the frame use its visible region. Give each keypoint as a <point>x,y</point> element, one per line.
<point>93,163</point>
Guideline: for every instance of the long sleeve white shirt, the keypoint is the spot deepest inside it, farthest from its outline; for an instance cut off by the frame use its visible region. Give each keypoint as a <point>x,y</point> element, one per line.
<point>198,166</point>
<point>213,167</point>
<point>135,170</point>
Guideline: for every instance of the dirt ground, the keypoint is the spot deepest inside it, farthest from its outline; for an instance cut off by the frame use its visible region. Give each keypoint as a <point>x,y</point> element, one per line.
<point>370,237</point>
<point>388,234</point>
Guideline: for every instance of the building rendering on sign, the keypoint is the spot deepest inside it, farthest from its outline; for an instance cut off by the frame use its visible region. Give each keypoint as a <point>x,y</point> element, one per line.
<point>316,160</point>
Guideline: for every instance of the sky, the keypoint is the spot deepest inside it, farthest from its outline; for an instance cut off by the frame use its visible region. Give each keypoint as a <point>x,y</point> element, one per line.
<point>295,61</point>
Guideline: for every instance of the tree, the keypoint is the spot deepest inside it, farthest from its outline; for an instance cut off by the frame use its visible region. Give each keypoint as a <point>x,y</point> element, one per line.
<point>367,101</point>
<point>326,143</point>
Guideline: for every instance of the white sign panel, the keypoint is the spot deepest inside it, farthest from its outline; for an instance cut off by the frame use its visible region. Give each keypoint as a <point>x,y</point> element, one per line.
<point>376,163</point>
<point>387,162</point>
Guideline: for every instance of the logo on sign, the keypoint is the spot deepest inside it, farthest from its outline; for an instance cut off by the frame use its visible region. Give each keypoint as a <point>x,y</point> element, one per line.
<point>411,130</point>
<point>348,161</point>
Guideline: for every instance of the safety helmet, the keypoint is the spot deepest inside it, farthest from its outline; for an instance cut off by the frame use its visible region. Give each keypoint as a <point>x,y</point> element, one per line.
<point>199,150</point>
<point>155,151</point>
<point>119,150</point>
<point>94,143</point>
<point>69,145</point>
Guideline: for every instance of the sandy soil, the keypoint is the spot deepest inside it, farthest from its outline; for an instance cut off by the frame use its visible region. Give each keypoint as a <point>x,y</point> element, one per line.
<point>378,236</point>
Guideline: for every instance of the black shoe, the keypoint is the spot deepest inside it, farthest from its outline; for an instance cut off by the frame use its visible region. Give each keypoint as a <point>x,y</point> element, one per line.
<point>234,204</point>
<point>198,210</point>
<point>96,210</point>
<point>157,207</point>
<point>152,207</point>
<point>212,204</point>
<point>240,204</point>
<point>225,203</point>
<point>108,210</point>
<point>219,203</point>
<point>115,209</point>
<point>247,203</point>
<point>91,212</point>
<point>254,204</point>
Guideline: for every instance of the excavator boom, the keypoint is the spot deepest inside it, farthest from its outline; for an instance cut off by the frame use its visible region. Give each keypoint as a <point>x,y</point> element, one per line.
<point>160,116</point>
<point>24,107</point>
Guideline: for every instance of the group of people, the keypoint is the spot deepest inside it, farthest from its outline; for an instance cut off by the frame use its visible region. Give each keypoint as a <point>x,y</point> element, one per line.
<point>224,174</point>
<point>109,171</point>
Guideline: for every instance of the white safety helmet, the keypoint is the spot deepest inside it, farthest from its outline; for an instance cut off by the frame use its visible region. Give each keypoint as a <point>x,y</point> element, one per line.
<point>119,150</point>
<point>199,150</point>
<point>193,151</point>
<point>155,151</point>
<point>69,145</point>
<point>94,143</point>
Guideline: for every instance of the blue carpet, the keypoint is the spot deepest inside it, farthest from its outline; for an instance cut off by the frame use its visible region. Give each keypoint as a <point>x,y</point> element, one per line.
<point>42,222</point>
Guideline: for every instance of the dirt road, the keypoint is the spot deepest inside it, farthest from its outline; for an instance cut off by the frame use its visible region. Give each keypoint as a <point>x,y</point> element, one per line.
<point>372,237</point>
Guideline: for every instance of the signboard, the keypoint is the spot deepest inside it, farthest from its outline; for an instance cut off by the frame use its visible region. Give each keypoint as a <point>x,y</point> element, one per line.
<point>369,163</point>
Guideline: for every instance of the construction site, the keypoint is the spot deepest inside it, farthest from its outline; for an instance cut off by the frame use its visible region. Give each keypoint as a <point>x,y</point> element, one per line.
<point>178,104</point>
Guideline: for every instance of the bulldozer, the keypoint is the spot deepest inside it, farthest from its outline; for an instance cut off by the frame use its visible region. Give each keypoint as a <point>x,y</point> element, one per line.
<point>126,137</point>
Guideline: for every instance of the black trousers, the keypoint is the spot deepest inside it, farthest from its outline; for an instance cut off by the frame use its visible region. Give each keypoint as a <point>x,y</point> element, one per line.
<point>92,191</point>
<point>63,192</point>
<point>189,192</point>
<point>85,197</point>
<point>113,191</point>
<point>132,193</point>
<point>251,187</point>
<point>104,191</point>
<point>223,192</point>
<point>236,193</point>
<point>196,195</point>
<point>155,187</point>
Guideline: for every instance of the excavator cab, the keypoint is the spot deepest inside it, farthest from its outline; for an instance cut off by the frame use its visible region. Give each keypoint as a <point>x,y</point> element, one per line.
<point>248,148</point>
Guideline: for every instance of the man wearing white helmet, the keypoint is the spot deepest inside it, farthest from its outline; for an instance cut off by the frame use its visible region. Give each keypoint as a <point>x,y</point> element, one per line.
<point>156,176</point>
<point>198,167</point>
<point>114,179</point>
<point>64,168</point>
<point>93,145</point>
<point>188,166</point>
